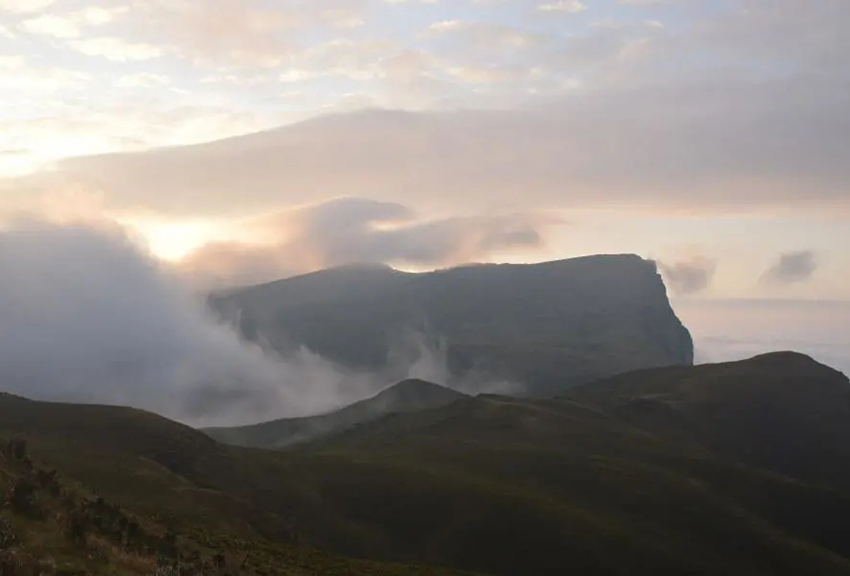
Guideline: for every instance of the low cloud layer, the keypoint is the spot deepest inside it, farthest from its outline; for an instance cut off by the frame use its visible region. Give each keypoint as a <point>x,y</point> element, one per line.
<point>88,317</point>
<point>727,330</point>
<point>358,231</point>
<point>791,268</point>
<point>686,277</point>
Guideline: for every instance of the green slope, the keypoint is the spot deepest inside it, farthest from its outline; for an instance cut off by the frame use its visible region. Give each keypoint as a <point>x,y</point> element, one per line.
<point>491,484</point>
<point>51,525</point>
<point>781,411</point>
<point>406,396</point>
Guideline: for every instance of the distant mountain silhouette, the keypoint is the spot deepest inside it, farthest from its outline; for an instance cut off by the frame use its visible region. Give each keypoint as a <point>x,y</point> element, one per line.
<point>406,396</point>
<point>550,326</point>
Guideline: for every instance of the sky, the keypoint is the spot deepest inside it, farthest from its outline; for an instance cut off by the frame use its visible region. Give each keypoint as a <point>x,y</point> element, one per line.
<point>240,141</point>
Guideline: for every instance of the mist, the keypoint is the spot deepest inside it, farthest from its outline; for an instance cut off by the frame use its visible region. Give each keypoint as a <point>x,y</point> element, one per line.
<point>689,276</point>
<point>726,330</point>
<point>792,267</point>
<point>423,355</point>
<point>89,316</point>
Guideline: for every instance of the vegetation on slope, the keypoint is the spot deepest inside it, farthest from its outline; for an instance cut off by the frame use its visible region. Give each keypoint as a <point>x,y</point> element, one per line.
<point>490,484</point>
<point>781,411</point>
<point>51,525</point>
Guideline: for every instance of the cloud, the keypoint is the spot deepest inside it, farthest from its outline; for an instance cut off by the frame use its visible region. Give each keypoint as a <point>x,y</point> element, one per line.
<point>25,6</point>
<point>484,35</point>
<point>791,268</point>
<point>116,49</point>
<point>797,35</point>
<point>70,25</point>
<point>689,276</point>
<point>358,231</point>
<point>50,25</point>
<point>752,145</point>
<point>641,2</point>
<point>568,6</point>
<point>719,111</point>
<point>88,317</point>
<point>777,70</point>
<point>133,118</point>
<point>239,33</point>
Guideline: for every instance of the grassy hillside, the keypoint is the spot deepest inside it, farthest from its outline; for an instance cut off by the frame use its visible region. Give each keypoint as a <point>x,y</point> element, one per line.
<point>406,396</point>
<point>490,484</point>
<point>53,525</point>
<point>548,325</point>
<point>780,411</point>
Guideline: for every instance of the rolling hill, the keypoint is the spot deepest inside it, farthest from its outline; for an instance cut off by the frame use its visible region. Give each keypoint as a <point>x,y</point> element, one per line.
<point>51,525</point>
<point>590,482</point>
<point>406,396</point>
<point>780,411</point>
<point>548,326</point>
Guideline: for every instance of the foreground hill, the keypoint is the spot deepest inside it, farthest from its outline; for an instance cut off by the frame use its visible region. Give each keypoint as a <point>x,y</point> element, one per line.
<point>497,485</point>
<point>780,411</point>
<point>406,396</point>
<point>50,525</point>
<point>548,325</point>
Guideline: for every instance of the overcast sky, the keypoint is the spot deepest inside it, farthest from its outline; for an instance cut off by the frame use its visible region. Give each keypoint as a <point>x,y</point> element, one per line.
<point>711,135</point>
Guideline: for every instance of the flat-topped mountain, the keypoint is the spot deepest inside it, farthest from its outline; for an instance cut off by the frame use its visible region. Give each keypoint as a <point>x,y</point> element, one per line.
<point>549,326</point>
<point>406,396</point>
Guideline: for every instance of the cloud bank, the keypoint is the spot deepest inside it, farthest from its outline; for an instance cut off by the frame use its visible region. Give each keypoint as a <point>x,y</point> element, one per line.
<point>791,268</point>
<point>358,231</point>
<point>689,276</point>
<point>88,317</point>
<point>755,145</point>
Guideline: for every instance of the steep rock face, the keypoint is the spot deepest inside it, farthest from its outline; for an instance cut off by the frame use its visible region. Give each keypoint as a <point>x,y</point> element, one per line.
<point>548,326</point>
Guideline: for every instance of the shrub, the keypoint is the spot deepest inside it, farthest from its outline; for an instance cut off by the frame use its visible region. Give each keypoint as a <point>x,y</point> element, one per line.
<point>7,536</point>
<point>23,498</point>
<point>78,527</point>
<point>18,450</point>
<point>47,479</point>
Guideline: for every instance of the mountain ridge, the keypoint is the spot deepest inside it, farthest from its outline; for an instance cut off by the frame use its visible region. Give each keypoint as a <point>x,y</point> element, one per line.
<point>406,396</point>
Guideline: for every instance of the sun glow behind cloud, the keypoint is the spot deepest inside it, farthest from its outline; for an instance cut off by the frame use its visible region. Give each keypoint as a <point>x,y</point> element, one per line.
<point>172,241</point>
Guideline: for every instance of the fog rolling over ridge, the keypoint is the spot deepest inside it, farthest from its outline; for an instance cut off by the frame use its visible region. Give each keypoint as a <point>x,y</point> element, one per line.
<point>88,316</point>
